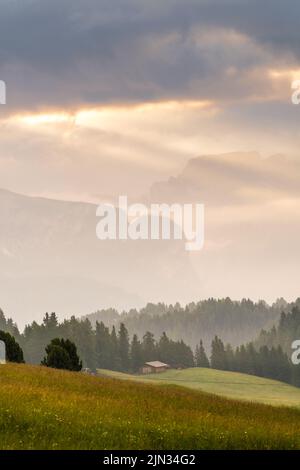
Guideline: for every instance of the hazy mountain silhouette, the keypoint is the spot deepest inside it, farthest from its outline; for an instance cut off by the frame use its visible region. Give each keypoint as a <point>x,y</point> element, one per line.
<point>252,222</point>
<point>50,259</point>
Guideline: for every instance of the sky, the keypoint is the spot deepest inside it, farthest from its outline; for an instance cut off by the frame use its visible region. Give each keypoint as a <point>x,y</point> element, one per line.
<point>110,97</point>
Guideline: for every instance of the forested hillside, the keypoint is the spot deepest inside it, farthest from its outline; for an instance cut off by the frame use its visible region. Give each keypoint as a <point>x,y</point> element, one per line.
<point>222,334</point>
<point>284,333</point>
<point>100,347</point>
<point>236,322</point>
<point>7,324</point>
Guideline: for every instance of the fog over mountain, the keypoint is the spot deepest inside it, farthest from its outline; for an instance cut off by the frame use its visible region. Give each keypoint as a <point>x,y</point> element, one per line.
<point>51,260</point>
<point>252,222</point>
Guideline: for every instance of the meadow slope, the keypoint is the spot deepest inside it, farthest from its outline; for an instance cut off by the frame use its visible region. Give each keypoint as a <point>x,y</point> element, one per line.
<point>227,384</point>
<point>43,408</point>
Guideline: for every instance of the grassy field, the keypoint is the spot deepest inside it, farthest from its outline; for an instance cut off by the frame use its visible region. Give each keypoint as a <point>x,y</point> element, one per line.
<point>227,384</point>
<point>42,408</point>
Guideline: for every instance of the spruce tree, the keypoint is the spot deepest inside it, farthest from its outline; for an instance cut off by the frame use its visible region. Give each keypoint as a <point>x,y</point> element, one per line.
<point>164,349</point>
<point>62,354</point>
<point>115,356</point>
<point>230,362</point>
<point>218,355</point>
<point>123,341</point>
<point>201,358</point>
<point>150,352</point>
<point>185,356</point>
<point>103,347</point>
<point>136,355</point>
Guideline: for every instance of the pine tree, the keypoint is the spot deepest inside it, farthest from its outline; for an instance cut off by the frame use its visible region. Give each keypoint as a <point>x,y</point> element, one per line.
<point>62,354</point>
<point>123,341</point>
<point>71,349</point>
<point>251,365</point>
<point>201,358</point>
<point>265,361</point>
<point>230,360</point>
<point>185,357</point>
<point>295,374</point>
<point>218,355</point>
<point>164,349</point>
<point>103,346</point>
<point>115,357</point>
<point>150,352</point>
<point>136,354</point>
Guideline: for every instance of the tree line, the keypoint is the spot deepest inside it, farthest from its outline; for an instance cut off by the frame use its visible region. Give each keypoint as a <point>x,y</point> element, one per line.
<point>271,363</point>
<point>236,322</point>
<point>284,332</point>
<point>100,347</point>
<point>112,348</point>
<point>115,350</point>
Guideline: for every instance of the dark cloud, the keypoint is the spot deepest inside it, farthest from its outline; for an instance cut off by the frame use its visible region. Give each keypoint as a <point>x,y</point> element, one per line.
<point>63,52</point>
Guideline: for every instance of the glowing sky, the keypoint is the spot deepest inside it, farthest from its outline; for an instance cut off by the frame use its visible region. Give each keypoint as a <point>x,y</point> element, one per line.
<point>107,96</point>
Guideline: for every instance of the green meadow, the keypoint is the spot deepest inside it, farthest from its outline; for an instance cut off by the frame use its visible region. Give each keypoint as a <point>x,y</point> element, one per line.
<point>227,384</point>
<point>43,408</point>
